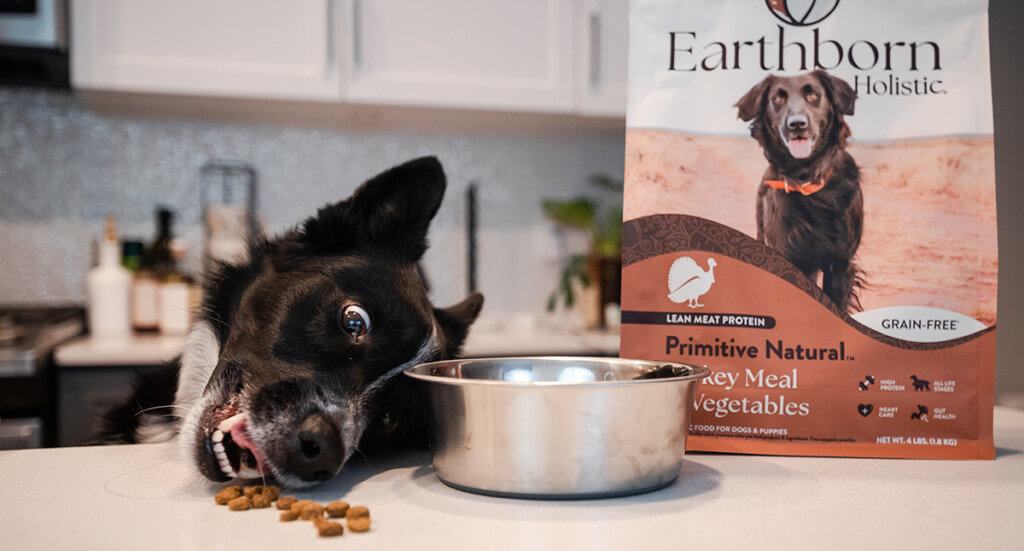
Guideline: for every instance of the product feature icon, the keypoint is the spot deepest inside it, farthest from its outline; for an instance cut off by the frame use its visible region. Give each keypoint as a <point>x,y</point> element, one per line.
<point>921,384</point>
<point>866,383</point>
<point>921,414</point>
<point>687,281</point>
<point>865,409</point>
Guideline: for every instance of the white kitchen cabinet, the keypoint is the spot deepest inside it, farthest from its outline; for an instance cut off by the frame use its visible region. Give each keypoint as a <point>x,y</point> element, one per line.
<point>484,54</point>
<point>603,53</point>
<point>543,56</point>
<point>240,48</point>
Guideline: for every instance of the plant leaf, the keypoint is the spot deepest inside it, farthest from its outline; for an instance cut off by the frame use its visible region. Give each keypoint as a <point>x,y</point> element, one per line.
<point>576,213</point>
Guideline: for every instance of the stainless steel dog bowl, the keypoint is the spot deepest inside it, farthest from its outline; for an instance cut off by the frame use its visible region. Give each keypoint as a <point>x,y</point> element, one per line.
<point>558,427</point>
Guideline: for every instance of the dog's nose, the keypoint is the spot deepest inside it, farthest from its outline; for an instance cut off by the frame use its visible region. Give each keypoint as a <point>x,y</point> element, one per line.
<point>317,451</point>
<point>796,122</point>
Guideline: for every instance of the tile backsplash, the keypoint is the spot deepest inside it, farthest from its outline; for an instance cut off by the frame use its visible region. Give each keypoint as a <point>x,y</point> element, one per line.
<point>63,167</point>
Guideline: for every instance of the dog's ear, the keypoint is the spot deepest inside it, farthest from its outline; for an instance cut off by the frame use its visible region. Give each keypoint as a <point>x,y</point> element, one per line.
<point>750,104</point>
<point>842,94</point>
<point>455,322</point>
<point>392,211</point>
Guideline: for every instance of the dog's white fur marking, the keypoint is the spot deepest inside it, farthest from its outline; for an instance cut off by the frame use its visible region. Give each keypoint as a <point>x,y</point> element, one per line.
<point>355,421</point>
<point>151,431</point>
<point>198,361</point>
<point>202,352</point>
<point>427,349</point>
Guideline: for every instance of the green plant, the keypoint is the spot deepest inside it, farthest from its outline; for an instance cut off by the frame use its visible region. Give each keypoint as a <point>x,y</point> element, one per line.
<point>600,218</point>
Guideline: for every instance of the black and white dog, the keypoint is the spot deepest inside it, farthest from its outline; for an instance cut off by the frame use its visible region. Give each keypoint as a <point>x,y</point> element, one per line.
<point>296,357</point>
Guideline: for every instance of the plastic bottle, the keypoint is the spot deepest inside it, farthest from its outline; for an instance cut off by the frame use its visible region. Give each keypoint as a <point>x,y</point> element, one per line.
<point>108,288</point>
<point>175,294</point>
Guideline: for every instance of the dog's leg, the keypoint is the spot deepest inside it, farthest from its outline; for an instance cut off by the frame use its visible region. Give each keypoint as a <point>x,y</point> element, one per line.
<point>147,415</point>
<point>839,281</point>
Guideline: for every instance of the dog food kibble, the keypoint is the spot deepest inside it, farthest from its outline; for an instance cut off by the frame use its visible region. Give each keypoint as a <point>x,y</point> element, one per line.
<point>328,529</point>
<point>310,511</point>
<point>261,501</point>
<point>292,509</point>
<point>336,509</point>
<point>240,504</point>
<point>272,492</point>
<point>285,503</point>
<point>227,494</point>
<point>358,519</point>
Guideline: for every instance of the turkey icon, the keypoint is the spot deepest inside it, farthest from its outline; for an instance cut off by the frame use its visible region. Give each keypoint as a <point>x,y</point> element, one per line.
<point>687,281</point>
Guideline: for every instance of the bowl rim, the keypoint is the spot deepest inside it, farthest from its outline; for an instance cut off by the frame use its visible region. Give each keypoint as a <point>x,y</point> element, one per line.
<point>698,372</point>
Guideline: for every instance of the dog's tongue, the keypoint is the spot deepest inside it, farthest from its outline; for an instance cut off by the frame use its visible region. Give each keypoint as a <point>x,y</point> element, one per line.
<point>799,148</point>
<point>241,437</point>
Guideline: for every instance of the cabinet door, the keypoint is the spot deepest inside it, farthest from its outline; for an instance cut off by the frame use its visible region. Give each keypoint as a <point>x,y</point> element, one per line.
<point>484,54</point>
<point>602,70</point>
<point>242,48</point>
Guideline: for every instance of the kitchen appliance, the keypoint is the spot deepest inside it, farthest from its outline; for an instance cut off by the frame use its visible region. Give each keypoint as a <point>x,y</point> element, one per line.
<point>558,427</point>
<point>34,43</point>
<point>227,196</point>
<point>28,396</point>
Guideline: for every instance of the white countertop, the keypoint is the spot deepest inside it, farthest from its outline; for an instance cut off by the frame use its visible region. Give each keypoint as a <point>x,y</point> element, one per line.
<point>154,349</point>
<point>137,349</point>
<point>141,497</point>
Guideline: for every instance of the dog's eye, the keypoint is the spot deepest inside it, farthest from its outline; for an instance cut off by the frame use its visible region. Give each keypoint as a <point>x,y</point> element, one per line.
<point>355,321</point>
<point>812,96</point>
<point>777,100</point>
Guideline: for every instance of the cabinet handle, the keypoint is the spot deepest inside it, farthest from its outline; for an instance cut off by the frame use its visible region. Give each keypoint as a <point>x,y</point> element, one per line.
<point>595,48</point>
<point>357,35</point>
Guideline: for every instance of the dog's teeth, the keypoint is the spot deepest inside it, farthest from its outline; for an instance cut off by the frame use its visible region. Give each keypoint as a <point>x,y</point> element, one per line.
<point>227,424</point>
<point>225,467</point>
<point>218,447</point>
<point>218,436</point>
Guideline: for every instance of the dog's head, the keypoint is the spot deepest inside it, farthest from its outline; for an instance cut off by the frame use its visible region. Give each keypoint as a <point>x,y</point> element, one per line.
<point>298,352</point>
<point>800,117</point>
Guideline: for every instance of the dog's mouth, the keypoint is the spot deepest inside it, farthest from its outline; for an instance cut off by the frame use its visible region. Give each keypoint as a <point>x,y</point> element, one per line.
<point>800,147</point>
<point>227,449</point>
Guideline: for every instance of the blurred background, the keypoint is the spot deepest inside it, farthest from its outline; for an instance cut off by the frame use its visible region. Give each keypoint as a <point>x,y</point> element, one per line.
<point>175,129</point>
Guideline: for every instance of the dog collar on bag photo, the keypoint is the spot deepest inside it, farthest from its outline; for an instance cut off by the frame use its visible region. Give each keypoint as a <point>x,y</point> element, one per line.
<point>806,188</point>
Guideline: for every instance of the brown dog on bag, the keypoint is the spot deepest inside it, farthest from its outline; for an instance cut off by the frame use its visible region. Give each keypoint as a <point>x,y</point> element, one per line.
<point>809,203</point>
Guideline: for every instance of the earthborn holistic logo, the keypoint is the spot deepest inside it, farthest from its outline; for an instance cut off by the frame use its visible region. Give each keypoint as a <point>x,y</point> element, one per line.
<point>802,13</point>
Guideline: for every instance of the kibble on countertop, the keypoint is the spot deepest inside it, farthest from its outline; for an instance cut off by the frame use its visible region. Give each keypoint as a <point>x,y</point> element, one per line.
<point>285,503</point>
<point>358,519</point>
<point>337,509</point>
<point>327,529</point>
<point>227,494</point>
<point>240,504</point>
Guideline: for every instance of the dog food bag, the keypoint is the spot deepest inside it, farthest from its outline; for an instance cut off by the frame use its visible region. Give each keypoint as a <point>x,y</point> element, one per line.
<point>810,212</point>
